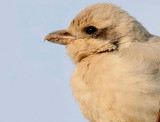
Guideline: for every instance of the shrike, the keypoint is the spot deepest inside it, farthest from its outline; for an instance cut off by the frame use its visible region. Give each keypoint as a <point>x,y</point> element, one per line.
<point>117,74</point>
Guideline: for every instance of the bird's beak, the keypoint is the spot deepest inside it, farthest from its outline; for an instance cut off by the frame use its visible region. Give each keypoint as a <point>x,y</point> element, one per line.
<point>60,37</point>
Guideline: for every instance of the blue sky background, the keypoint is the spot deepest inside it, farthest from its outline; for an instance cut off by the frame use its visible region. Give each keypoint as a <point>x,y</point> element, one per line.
<point>34,76</point>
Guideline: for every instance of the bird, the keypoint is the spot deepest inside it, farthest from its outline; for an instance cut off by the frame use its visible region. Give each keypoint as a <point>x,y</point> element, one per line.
<point>117,73</point>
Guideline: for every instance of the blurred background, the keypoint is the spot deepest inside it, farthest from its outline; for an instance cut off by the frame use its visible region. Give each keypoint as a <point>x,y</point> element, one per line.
<point>35,75</point>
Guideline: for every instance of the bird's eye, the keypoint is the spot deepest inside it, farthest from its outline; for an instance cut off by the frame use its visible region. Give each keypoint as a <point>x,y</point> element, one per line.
<point>90,30</point>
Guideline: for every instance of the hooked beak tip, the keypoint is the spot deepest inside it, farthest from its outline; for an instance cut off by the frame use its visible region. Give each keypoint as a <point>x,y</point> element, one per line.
<point>47,38</point>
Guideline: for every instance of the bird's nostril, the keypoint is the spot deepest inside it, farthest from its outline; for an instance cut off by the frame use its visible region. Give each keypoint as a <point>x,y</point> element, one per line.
<point>115,43</point>
<point>66,34</point>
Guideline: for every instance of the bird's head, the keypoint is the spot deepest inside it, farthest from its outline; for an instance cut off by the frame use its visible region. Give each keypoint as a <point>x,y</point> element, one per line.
<point>100,28</point>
